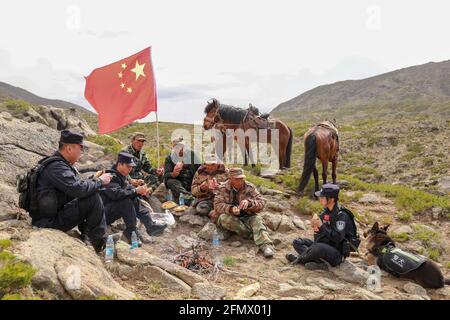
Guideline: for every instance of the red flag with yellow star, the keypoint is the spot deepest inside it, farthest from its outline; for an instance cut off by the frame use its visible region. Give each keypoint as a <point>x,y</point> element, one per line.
<point>123,91</point>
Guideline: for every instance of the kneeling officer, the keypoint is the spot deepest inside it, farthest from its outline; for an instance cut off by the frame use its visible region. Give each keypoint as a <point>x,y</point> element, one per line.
<point>122,200</point>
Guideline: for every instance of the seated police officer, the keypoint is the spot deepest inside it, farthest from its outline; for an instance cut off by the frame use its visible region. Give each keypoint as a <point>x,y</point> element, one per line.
<point>334,234</point>
<point>66,201</point>
<point>122,200</point>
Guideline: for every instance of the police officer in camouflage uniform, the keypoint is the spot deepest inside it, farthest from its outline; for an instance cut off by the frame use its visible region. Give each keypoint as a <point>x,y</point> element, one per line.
<point>237,202</point>
<point>65,200</point>
<point>143,172</point>
<point>331,229</point>
<point>180,167</point>
<point>121,200</point>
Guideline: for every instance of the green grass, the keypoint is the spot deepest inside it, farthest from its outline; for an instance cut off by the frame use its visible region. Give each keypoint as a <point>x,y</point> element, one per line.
<point>18,296</point>
<point>229,261</point>
<point>405,198</point>
<point>111,145</point>
<point>424,235</point>
<point>308,207</point>
<point>404,216</point>
<point>15,106</point>
<point>400,237</point>
<point>434,254</point>
<point>258,181</point>
<point>4,244</point>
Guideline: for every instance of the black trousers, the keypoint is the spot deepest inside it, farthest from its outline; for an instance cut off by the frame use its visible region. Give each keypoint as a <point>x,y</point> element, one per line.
<point>311,251</point>
<point>86,213</point>
<point>129,210</point>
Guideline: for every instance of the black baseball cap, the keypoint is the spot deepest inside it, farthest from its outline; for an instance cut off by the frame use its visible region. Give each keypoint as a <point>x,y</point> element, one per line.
<point>328,190</point>
<point>125,157</point>
<point>71,137</point>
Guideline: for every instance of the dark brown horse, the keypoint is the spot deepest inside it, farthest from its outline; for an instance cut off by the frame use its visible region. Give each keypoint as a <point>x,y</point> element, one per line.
<point>321,141</point>
<point>224,117</point>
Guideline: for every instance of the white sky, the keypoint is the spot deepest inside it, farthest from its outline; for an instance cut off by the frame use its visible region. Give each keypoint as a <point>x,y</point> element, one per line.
<point>263,52</point>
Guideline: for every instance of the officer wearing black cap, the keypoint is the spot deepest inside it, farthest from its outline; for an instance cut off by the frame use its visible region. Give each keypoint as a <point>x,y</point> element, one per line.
<point>66,201</point>
<point>334,233</point>
<point>121,200</point>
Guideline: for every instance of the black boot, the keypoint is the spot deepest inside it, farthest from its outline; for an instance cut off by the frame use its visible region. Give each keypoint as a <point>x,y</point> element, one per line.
<point>152,228</point>
<point>291,257</point>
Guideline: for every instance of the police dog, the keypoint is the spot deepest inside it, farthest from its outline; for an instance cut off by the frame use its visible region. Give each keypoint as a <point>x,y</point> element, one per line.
<point>428,274</point>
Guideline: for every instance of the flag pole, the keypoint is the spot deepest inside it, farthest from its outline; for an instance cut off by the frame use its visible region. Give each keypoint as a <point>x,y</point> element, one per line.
<point>157,136</point>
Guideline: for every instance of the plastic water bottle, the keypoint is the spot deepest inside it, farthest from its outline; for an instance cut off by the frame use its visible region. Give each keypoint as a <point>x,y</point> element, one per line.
<point>134,241</point>
<point>374,283</point>
<point>109,250</point>
<point>181,199</point>
<point>169,196</point>
<point>215,246</point>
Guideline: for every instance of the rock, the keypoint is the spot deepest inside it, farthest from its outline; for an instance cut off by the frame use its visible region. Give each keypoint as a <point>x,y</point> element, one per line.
<point>443,291</point>
<point>193,220</point>
<point>8,202</point>
<point>403,229</point>
<point>68,268</point>
<point>236,244</point>
<point>436,212</point>
<point>274,206</point>
<point>185,242</point>
<point>298,223</point>
<point>207,232</point>
<point>139,257</point>
<point>444,183</point>
<point>414,289</point>
<point>286,224</point>
<point>369,198</point>
<point>349,272</point>
<point>207,291</point>
<point>271,220</point>
<point>7,116</point>
<point>343,184</point>
<point>363,294</point>
<point>248,291</point>
<point>325,284</point>
<point>309,292</point>
<point>35,117</point>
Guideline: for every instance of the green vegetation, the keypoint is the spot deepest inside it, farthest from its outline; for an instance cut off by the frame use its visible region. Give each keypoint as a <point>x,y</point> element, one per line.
<point>405,198</point>
<point>18,296</point>
<point>106,298</point>
<point>14,274</point>
<point>262,182</point>
<point>229,261</point>
<point>111,145</point>
<point>400,237</point>
<point>307,206</point>
<point>404,216</point>
<point>155,287</point>
<point>424,235</point>
<point>15,106</point>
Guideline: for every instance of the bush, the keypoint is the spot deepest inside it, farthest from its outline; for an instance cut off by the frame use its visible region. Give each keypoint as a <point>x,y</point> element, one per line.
<point>400,237</point>
<point>306,206</point>
<point>111,145</point>
<point>229,261</point>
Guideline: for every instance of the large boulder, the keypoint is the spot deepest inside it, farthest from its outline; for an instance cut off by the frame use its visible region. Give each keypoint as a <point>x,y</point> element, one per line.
<point>67,267</point>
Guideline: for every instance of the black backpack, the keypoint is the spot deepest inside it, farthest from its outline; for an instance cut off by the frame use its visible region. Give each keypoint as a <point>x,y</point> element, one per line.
<point>352,241</point>
<point>27,185</point>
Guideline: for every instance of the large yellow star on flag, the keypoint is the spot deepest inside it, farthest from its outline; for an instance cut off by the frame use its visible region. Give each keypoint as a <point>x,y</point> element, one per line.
<point>139,70</point>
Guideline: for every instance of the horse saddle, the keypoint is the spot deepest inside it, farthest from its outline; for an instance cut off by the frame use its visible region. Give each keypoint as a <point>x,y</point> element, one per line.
<point>399,262</point>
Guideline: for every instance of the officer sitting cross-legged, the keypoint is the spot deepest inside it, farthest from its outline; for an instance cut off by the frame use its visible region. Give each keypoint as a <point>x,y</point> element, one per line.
<point>66,201</point>
<point>335,234</point>
<point>121,200</point>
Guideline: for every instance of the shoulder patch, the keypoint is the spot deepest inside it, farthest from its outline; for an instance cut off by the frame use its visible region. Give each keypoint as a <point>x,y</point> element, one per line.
<point>340,225</point>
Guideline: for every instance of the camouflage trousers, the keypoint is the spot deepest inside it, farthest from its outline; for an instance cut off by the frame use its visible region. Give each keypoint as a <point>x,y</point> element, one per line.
<point>246,227</point>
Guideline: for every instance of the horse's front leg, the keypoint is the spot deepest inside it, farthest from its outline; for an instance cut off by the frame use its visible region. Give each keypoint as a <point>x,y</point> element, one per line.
<point>324,171</point>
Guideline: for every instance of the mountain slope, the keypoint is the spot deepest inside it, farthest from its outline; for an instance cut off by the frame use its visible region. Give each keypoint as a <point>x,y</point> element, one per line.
<point>9,91</point>
<point>417,89</point>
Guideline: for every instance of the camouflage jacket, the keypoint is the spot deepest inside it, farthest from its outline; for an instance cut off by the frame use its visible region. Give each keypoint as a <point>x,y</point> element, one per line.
<point>142,165</point>
<point>201,176</point>
<point>226,197</point>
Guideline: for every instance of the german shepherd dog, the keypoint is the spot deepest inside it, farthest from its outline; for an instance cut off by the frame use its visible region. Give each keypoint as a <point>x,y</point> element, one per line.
<point>428,275</point>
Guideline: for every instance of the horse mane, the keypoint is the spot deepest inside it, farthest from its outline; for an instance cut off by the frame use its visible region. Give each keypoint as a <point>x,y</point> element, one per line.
<point>227,113</point>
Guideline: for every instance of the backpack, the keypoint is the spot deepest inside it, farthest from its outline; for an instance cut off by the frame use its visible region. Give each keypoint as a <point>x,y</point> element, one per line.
<point>353,241</point>
<point>27,185</point>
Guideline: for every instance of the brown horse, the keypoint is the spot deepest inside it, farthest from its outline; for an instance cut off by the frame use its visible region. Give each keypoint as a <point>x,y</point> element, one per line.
<point>321,141</point>
<point>227,117</point>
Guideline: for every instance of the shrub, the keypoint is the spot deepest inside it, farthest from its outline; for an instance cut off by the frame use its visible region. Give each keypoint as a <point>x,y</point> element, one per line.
<point>111,145</point>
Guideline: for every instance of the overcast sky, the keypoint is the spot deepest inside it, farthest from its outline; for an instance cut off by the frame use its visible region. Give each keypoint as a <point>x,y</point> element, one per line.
<point>263,52</point>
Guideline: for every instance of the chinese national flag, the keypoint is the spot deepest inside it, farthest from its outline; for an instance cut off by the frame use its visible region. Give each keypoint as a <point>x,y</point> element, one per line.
<point>123,91</point>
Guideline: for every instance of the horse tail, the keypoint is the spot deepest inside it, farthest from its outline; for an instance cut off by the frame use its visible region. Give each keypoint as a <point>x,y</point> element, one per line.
<point>310,161</point>
<point>289,149</point>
